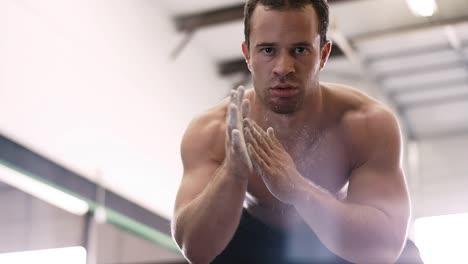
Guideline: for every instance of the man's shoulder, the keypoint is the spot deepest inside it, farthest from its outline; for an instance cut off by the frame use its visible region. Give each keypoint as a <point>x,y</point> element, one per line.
<point>206,131</point>
<point>365,122</point>
<point>211,119</point>
<point>370,122</point>
<point>357,107</point>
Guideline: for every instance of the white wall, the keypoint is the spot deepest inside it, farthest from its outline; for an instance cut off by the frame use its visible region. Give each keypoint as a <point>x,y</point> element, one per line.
<point>441,185</point>
<point>90,84</point>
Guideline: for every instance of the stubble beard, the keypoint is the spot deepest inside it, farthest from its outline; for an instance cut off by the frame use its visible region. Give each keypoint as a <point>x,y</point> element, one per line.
<point>284,106</point>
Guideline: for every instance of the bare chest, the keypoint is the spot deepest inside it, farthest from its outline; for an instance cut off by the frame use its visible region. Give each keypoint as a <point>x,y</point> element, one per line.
<point>323,160</point>
<point>320,158</point>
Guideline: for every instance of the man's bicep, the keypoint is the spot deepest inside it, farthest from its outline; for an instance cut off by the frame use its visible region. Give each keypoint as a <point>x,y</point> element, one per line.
<point>194,181</point>
<point>379,181</point>
<point>383,195</point>
<point>383,189</point>
<point>200,158</point>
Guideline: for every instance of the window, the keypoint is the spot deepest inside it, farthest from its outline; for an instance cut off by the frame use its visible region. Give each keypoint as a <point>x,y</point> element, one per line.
<point>442,239</point>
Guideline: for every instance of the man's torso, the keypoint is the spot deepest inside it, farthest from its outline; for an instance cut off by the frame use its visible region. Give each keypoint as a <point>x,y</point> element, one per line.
<point>324,155</point>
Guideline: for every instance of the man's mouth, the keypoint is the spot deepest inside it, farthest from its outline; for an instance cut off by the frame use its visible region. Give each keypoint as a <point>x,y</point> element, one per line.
<point>284,90</point>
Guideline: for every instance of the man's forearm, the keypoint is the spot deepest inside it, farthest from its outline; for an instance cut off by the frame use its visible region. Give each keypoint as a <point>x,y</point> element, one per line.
<point>358,233</point>
<point>205,226</point>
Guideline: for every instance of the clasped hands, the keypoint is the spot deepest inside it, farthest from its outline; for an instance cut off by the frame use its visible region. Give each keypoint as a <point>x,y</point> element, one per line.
<point>252,149</point>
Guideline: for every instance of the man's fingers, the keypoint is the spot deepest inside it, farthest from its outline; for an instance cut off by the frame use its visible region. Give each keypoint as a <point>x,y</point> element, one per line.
<point>236,140</point>
<point>250,123</point>
<point>239,148</point>
<point>261,137</point>
<point>249,138</point>
<point>255,158</point>
<point>232,117</point>
<point>270,132</point>
<point>257,128</point>
<point>250,131</point>
<point>265,139</point>
<point>271,137</point>
<point>256,146</point>
<point>234,97</point>
<point>245,108</point>
<point>240,93</point>
<point>258,163</point>
<point>237,95</point>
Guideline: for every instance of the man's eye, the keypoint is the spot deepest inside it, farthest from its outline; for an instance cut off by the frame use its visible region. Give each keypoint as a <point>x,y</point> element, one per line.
<point>267,51</point>
<point>300,50</point>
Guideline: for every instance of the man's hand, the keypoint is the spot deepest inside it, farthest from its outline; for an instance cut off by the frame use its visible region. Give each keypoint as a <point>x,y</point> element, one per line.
<point>237,157</point>
<point>271,161</point>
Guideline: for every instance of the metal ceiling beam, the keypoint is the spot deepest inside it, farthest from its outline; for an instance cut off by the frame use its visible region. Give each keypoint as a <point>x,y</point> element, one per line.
<point>457,44</point>
<point>419,70</point>
<point>388,55</point>
<point>417,51</point>
<point>435,101</point>
<point>233,66</point>
<point>406,29</point>
<point>428,86</point>
<point>191,22</point>
<point>229,67</point>
<point>353,56</point>
<point>451,133</point>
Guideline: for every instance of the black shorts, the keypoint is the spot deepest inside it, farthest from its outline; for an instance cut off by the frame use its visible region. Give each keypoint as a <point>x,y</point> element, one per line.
<point>257,243</point>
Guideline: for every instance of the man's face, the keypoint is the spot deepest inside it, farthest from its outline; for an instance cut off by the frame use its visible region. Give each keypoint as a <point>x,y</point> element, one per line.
<point>284,56</point>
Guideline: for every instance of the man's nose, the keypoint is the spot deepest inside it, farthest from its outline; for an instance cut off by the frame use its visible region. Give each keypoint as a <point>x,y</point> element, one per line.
<point>284,65</point>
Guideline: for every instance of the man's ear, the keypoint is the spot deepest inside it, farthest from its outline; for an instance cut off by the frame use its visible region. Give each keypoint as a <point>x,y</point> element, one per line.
<point>245,51</point>
<point>325,53</point>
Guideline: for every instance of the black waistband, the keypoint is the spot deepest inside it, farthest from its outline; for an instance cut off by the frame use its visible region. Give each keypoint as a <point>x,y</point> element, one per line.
<point>251,224</point>
<point>256,242</point>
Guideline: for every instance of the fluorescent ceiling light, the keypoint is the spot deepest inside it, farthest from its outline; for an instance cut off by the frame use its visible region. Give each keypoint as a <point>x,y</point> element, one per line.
<point>71,255</point>
<point>442,239</point>
<point>425,8</point>
<point>43,191</point>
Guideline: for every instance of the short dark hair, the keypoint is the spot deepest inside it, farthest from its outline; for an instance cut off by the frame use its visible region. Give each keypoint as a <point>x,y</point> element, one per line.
<point>320,6</point>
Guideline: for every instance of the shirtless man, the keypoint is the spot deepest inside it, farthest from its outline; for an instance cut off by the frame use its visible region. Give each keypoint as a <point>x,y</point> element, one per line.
<point>293,170</point>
